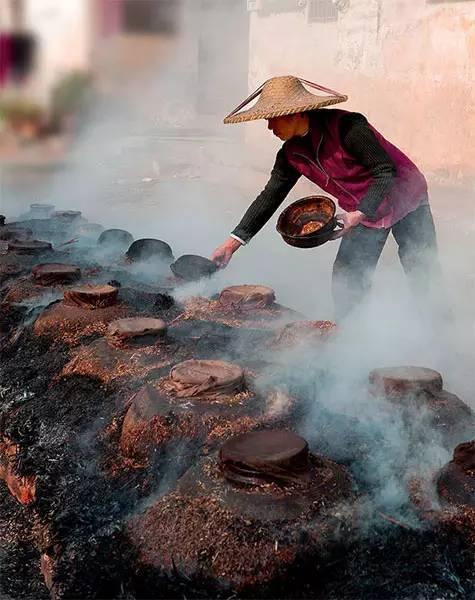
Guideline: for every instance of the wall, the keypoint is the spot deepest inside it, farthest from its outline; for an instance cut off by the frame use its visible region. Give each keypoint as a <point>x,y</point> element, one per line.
<point>407,64</point>
<point>64,40</point>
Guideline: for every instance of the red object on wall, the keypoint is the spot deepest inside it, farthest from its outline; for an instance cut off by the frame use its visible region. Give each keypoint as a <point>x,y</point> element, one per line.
<point>5,57</point>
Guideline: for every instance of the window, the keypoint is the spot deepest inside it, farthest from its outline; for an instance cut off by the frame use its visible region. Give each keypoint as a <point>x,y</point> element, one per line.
<point>322,11</point>
<point>150,16</point>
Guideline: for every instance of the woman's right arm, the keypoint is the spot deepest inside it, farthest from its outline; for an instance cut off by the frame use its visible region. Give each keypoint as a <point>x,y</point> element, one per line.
<point>282,180</point>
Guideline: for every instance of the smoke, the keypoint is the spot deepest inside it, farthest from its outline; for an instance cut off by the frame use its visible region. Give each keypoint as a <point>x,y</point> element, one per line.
<point>150,162</point>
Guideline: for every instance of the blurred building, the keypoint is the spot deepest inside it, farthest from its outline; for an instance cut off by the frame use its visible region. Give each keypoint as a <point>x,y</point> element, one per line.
<point>182,49</point>
<point>409,65</point>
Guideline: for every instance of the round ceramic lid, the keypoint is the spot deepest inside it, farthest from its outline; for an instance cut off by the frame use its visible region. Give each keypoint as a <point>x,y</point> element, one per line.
<point>55,273</point>
<point>275,447</point>
<point>405,379</point>
<point>93,296</point>
<point>29,246</point>
<point>253,296</point>
<point>196,372</point>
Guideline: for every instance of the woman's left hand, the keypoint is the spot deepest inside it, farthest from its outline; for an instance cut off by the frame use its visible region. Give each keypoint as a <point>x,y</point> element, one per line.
<point>349,220</point>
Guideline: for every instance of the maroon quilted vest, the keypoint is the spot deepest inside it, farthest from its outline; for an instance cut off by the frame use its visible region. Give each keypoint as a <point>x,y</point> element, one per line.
<point>328,164</point>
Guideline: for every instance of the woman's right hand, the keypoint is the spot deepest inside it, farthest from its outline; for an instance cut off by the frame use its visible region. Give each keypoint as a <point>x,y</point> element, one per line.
<point>222,255</point>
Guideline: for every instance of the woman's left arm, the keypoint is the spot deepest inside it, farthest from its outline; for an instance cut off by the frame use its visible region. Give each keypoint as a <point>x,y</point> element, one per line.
<point>360,141</point>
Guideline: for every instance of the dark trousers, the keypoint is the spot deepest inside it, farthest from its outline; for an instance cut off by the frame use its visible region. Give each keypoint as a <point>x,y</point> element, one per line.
<point>361,248</point>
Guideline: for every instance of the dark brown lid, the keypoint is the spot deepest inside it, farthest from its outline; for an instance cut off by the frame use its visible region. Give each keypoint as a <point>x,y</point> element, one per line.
<point>41,206</point>
<point>148,249</point>
<point>115,238</point>
<point>51,273</point>
<point>247,296</point>
<point>67,215</point>
<point>91,296</point>
<point>39,210</point>
<point>191,267</point>
<point>396,381</point>
<point>272,454</point>
<point>31,247</point>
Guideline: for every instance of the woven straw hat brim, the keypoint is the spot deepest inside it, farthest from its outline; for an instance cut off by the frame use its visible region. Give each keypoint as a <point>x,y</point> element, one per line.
<point>278,110</point>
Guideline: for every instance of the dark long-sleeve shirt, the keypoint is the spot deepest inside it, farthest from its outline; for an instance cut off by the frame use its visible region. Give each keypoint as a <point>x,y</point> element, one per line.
<point>360,141</point>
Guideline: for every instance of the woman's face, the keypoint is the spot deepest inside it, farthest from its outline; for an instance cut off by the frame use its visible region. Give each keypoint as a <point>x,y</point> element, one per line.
<point>288,126</point>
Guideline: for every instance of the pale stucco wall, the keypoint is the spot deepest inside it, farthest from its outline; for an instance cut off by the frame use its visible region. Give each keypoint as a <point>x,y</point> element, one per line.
<point>406,64</point>
<point>64,34</point>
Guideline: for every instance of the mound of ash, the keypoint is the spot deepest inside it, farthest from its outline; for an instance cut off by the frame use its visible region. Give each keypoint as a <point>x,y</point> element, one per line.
<point>243,533</point>
<point>29,247</point>
<point>241,306</point>
<point>19,257</point>
<point>8,272</point>
<point>45,278</point>
<point>132,349</point>
<point>89,432</point>
<point>15,231</point>
<point>54,273</point>
<point>213,339</point>
<point>75,513</point>
<point>85,311</point>
<point>22,487</point>
<point>305,332</point>
<point>21,577</point>
<point>420,389</point>
<point>199,402</point>
<point>57,227</point>
<point>456,480</point>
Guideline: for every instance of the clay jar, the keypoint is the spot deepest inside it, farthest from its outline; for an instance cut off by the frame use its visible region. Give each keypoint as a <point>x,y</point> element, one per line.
<point>44,278</point>
<point>200,401</point>
<point>22,255</point>
<point>117,240</point>
<point>29,247</point>
<point>131,348</point>
<point>456,480</point>
<point>241,306</point>
<point>39,210</point>
<point>84,311</point>
<point>15,232</point>
<point>247,532</point>
<point>147,249</point>
<point>421,390</point>
<point>190,267</point>
<point>305,332</point>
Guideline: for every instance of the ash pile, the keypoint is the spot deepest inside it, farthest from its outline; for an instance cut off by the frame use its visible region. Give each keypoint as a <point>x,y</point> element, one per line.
<point>153,446</point>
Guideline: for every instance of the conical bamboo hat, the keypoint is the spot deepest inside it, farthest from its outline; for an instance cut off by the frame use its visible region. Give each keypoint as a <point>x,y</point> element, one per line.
<point>281,96</point>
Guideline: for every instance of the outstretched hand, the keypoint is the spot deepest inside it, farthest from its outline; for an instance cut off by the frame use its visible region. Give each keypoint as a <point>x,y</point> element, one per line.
<point>349,220</point>
<point>223,254</point>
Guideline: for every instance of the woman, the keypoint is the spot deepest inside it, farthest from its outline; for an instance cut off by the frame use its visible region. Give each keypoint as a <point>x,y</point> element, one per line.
<point>378,186</point>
